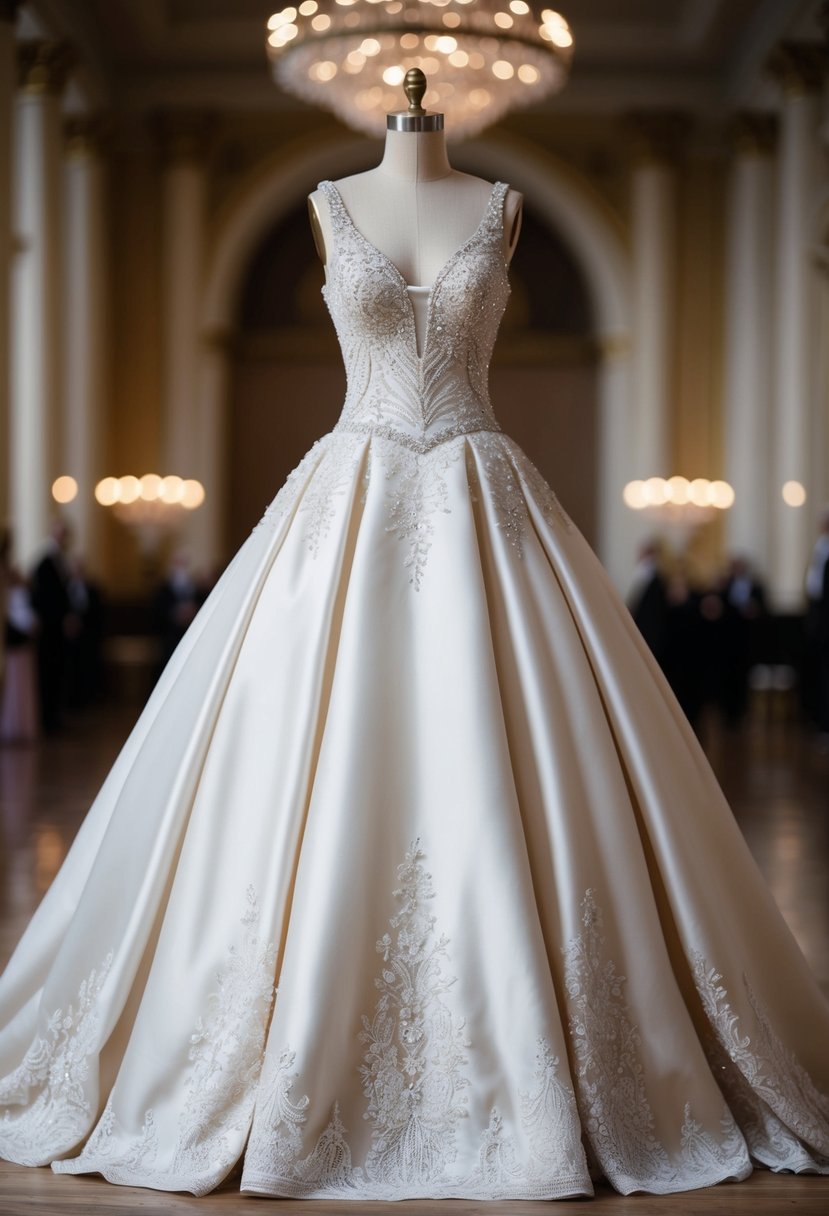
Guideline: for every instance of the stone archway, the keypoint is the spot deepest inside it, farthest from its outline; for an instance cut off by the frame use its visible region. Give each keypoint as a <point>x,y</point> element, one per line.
<point>555,192</point>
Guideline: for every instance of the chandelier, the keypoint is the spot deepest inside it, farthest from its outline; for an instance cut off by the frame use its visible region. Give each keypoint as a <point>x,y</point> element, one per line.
<point>677,504</point>
<point>150,506</point>
<point>482,57</point>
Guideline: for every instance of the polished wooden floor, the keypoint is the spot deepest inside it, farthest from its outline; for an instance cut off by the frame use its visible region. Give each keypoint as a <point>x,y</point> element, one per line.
<point>25,1190</point>
<point>774,774</point>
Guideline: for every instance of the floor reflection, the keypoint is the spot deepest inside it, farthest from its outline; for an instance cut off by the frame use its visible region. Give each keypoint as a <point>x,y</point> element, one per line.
<point>777,782</point>
<point>45,791</point>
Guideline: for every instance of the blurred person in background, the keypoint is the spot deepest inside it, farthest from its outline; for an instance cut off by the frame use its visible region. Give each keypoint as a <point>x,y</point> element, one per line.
<point>84,643</point>
<point>684,663</point>
<point>743,600</point>
<point>817,627</point>
<point>58,623</point>
<point>648,600</point>
<point>19,711</point>
<point>177,601</point>
<point>5,574</point>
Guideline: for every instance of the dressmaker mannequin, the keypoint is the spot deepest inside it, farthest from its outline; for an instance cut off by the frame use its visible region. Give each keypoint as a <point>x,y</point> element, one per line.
<point>414,207</point>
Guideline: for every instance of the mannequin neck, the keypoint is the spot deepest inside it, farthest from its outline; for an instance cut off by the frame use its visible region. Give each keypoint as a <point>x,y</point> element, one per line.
<point>415,156</point>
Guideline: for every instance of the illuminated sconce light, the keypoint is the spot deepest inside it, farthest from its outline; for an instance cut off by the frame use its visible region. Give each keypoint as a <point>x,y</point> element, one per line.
<point>64,489</point>
<point>794,494</point>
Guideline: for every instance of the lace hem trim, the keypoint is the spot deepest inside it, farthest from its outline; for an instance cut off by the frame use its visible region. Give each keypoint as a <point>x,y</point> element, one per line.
<point>554,1188</point>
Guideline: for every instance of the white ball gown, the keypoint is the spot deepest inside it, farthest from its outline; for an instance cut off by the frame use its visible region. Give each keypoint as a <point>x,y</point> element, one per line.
<point>413,768</point>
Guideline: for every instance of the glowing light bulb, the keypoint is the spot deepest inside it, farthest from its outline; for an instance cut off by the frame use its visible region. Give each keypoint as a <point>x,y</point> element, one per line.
<point>64,489</point>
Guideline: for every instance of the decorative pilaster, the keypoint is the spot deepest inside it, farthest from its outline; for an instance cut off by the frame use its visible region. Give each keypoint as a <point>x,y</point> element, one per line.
<point>36,291</point>
<point>85,329</point>
<point>619,528</point>
<point>8,14</point>
<point>657,137</point>
<point>798,70</point>
<point>749,308</point>
<point>214,378</point>
<point>184,140</point>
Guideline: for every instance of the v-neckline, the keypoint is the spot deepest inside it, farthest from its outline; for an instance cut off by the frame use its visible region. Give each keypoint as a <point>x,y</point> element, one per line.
<point>441,274</point>
<point>392,266</point>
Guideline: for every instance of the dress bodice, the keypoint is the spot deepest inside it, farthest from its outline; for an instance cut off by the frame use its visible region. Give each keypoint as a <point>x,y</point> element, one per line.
<point>419,399</point>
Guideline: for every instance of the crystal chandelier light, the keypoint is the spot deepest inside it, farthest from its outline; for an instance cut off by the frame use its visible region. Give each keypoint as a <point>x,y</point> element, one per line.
<point>150,506</point>
<point>678,505</point>
<point>482,57</point>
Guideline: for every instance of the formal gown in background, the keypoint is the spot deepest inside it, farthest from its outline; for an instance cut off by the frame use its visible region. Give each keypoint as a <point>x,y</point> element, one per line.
<point>413,765</point>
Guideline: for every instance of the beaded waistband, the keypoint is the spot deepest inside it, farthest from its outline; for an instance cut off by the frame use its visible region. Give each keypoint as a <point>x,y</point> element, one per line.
<point>412,442</point>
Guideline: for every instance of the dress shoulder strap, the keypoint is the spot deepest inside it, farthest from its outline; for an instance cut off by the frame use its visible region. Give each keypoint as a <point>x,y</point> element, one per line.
<point>336,207</point>
<point>495,210</point>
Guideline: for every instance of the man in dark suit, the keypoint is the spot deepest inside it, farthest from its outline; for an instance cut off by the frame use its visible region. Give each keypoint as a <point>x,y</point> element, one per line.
<point>50,600</point>
<point>177,601</point>
<point>744,610</point>
<point>648,601</point>
<point>817,622</point>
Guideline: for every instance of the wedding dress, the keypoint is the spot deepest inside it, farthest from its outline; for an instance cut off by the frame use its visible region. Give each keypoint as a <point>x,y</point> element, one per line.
<point>413,766</point>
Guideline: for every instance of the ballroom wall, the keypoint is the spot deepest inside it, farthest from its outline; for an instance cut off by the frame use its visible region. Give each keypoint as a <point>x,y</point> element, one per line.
<point>685,340</point>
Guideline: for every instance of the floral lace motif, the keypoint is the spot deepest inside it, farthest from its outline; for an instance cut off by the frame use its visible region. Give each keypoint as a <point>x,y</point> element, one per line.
<point>414,1081</point>
<point>57,1063</point>
<point>774,1098</point>
<point>226,1050</point>
<point>417,490</point>
<point>616,1114</point>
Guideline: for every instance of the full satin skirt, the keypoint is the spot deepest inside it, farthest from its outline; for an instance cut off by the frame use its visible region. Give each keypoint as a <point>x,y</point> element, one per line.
<point>413,767</point>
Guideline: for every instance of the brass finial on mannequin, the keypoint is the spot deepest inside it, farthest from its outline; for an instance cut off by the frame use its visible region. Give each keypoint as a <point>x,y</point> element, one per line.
<point>414,86</point>
<point>415,118</point>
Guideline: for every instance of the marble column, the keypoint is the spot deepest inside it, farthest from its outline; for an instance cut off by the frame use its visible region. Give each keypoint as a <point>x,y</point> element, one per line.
<point>619,527</point>
<point>798,70</point>
<point>820,454</point>
<point>209,518</point>
<point>85,329</point>
<point>749,311</point>
<point>184,187</point>
<point>8,13</point>
<point>653,232</point>
<point>36,293</point>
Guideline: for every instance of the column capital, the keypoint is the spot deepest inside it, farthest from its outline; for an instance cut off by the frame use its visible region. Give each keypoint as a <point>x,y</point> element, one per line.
<point>9,10</point>
<point>798,67</point>
<point>85,134</point>
<point>44,65</point>
<point>754,133</point>
<point>183,135</point>
<point>656,136</point>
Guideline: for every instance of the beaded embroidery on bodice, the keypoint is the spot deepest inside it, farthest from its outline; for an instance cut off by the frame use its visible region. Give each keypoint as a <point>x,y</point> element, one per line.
<point>419,400</point>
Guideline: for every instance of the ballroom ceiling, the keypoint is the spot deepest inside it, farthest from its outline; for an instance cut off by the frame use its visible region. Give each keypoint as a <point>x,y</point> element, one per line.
<point>698,54</point>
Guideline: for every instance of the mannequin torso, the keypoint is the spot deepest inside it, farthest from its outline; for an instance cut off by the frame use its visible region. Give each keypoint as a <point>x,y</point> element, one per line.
<point>414,207</point>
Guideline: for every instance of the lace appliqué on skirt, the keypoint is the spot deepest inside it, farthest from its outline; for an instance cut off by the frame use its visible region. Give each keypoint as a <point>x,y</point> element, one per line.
<point>226,1051</point>
<point>771,1094</point>
<point>58,1064</point>
<point>417,493</point>
<point>414,1081</point>
<point>611,1088</point>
